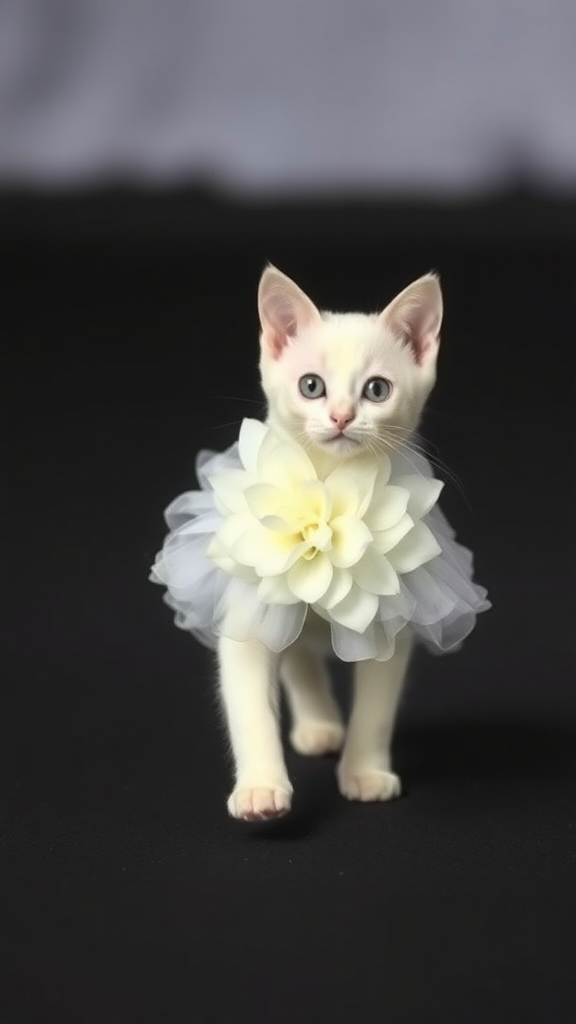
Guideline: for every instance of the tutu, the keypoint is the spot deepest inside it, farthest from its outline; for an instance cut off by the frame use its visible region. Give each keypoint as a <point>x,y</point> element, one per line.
<point>439,601</point>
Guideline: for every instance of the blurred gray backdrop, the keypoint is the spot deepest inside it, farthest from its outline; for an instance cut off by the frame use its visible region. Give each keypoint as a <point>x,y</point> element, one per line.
<point>278,96</point>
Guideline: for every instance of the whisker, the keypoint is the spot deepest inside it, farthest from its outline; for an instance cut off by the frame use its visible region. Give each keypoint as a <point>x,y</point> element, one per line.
<point>400,447</point>
<point>436,462</point>
<point>222,426</point>
<point>442,466</point>
<point>238,398</point>
<point>403,447</point>
<point>429,411</point>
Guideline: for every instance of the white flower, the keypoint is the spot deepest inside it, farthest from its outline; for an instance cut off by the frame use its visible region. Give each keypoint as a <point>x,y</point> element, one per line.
<point>337,544</point>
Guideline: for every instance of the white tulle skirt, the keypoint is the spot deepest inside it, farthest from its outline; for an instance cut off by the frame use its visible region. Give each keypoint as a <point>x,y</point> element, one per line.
<point>439,601</point>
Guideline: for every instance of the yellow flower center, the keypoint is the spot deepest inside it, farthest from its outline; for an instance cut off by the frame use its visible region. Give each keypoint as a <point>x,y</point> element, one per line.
<point>317,535</point>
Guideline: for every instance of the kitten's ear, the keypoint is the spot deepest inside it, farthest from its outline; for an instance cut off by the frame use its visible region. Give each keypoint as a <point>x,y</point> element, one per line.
<point>415,316</point>
<point>284,310</point>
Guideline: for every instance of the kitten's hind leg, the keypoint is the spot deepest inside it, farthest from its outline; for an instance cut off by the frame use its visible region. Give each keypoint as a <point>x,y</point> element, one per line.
<point>365,770</point>
<point>316,720</point>
<point>249,687</point>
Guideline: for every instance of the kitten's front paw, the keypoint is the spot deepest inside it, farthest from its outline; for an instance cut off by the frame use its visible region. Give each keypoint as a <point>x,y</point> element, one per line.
<point>316,738</point>
<point>368,785</point>
<point>259,803</point>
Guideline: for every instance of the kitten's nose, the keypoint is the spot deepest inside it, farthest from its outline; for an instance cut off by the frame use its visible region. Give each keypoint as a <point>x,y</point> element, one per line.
<point>342,419</point>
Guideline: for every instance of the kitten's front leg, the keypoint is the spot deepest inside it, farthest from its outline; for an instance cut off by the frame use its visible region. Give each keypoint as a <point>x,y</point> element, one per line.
<point>249,686</point>
<point>364,773</point>
<point>316,720</point>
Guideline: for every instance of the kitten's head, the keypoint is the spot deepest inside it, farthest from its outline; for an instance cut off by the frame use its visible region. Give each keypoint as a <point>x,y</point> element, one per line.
<point>343,383</point>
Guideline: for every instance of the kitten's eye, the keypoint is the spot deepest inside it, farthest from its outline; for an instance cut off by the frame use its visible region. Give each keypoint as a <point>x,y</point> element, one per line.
<point>377,389</point>
<point>312,386</point>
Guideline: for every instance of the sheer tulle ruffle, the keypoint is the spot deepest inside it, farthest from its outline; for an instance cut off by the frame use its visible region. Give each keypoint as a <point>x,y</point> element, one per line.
<point>439,601</point>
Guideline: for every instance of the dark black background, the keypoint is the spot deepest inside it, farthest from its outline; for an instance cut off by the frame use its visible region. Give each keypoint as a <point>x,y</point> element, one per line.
<point>129,340</point>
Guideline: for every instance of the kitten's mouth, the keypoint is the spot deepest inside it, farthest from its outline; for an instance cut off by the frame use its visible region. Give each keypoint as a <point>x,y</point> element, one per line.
<point>342,438</point>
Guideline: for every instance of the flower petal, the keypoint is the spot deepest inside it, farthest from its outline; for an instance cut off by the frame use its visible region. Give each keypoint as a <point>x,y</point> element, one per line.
<point>228,487</point>
<point>351,489</point>
<point>385,540</point>
<point>267,552</point>
<point>381,480</point>
<point>375,574</point>
<point>271,441</point>
<point>351,646</point>
<point>265,500</point>
<point>416,548</point>
<point>350,538</point>
<point>247,548</point>
<point>287,467</point>
<point>342,581</point>
<point>344,492</point>
<point>387,507</point>
<point>278,524</point>
<point>275,590</point>
<point>356,611</point>
<point>320,537</point>
<point>216,551</point>
<point>278,553</point>
<point>309,579</point>
<point>314,500</point>
<point>234,527</point>
<point>252,433</point>
<point>280,627</point>
<point>424,493</point>
<point>219,555</point>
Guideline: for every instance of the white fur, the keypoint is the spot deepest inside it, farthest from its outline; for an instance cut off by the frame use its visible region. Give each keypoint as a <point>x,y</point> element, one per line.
<point>400,344</point>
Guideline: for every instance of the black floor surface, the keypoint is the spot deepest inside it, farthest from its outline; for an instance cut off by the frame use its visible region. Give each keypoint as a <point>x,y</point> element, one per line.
<point>127,895</point>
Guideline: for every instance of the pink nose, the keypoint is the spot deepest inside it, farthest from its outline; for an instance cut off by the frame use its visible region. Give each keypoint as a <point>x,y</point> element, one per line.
<point>342,419</point>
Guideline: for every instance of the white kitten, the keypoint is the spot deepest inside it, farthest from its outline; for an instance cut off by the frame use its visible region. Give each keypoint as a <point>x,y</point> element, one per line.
<point>345,386</point>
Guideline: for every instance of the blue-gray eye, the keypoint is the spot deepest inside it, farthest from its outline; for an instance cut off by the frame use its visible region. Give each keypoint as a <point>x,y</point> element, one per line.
<point>312,386</point>
<point>377,389</point>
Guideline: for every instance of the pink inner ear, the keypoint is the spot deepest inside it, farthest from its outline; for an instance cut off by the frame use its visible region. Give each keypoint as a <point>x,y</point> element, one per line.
<point>275,340</point>
<point>421,344</point>
<point>284,311</point>
<point>415,316</point>
<point>416,328</point>
<point>275,336</point>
